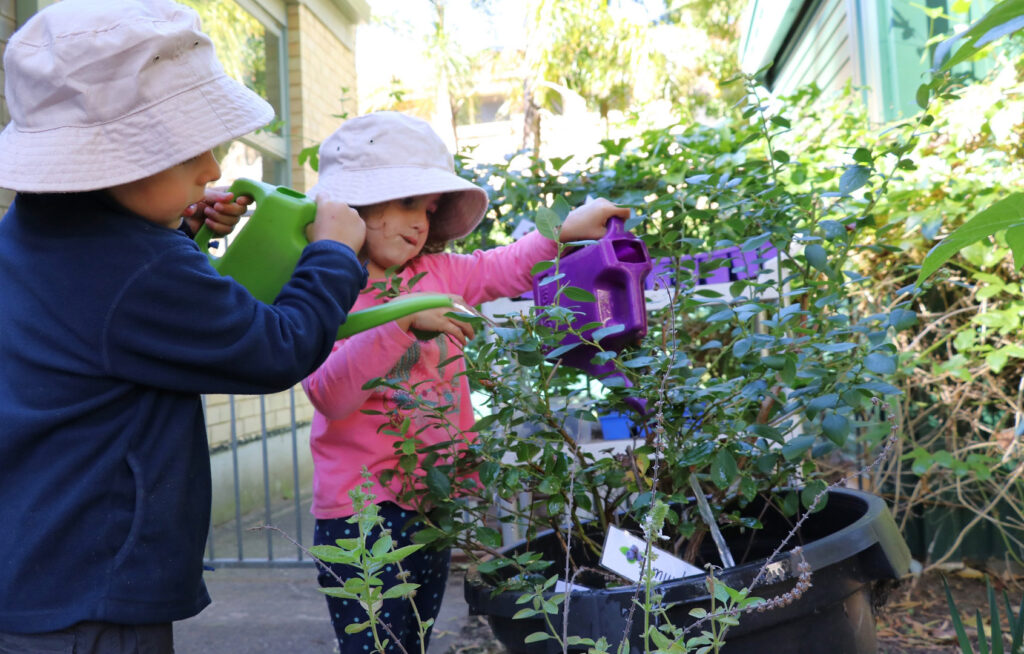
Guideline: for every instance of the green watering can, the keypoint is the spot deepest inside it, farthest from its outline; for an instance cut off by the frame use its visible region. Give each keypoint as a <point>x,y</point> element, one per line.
<point>263,254</point>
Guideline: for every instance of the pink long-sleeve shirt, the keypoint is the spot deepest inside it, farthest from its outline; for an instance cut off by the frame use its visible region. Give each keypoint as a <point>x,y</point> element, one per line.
<point>344,438</point>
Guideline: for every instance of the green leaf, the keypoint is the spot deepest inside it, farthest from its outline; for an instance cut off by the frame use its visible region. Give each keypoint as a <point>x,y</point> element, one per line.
<point>536,637</point>
<point>427,535</point>
<point>854,177</point>
<point>796,447</point>
<point>578,294</point>
<point>1004,18</point>
<point>557,352</point>
<point>550,485</point>
<point>880,364</point>
<point>1015,239</point>
<point>541,266</point>
<point>438,483</point>
<point>484,423</point>
<point>331,554</point>
<point>356,627</point>
<point>789,372</point>
<point>547,223</point>
<point>397,555</point>
<point>1000,216</point>
<point>836,427</point>
<point>902,319</point>
<point>334,591</point>
<point>399,590</point>
<point>488,536</point>
<point>921,96</point>
<point>605,332</point>
<point>817,257</point>
<point>558,162</point>
<point>958,625</point>
<point>724,469</point>
<point>493,565</point>
<point>996,626</point>
<point>982,641</point>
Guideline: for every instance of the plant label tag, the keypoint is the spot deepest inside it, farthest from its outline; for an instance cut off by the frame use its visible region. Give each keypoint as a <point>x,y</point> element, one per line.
<point>624,554</point>
<point>561,587</point>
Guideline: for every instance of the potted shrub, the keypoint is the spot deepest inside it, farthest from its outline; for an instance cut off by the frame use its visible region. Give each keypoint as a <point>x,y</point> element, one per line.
<point>758,387</point>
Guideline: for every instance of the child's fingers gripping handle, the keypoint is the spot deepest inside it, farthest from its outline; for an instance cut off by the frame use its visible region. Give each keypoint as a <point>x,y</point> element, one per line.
<point>375,316</point>
<point>241,186</point>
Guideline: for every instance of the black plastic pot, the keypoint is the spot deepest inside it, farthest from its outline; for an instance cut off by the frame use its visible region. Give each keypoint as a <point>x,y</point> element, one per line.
<point>850,545</point>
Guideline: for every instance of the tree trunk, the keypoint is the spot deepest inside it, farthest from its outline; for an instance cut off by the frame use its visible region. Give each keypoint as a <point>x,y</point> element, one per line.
<point>531,120</point>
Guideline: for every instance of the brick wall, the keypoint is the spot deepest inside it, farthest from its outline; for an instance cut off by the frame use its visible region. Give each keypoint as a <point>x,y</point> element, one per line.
<point>320,65</point>
<point>248,425</point>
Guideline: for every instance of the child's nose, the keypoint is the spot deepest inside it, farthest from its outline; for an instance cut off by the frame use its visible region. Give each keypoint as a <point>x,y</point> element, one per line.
<point>210,168</point>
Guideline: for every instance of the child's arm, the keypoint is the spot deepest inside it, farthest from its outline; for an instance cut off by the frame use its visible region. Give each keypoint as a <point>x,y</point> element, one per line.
<point>336,388</point>
<point>587,222</point>
<point>438,320</point>
<point>505,271</point>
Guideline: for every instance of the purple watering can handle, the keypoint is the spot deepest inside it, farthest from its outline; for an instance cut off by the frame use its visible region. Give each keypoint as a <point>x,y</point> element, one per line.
<point>616,227</point>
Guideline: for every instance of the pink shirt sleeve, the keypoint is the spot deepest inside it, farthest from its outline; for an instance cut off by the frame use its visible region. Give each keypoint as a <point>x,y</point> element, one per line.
<point>335,389</point>
<point>486,275</point>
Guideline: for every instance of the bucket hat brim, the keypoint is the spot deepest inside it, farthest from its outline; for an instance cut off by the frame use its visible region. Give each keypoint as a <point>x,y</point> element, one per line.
<point>152,139</point>
<point>462,211</point>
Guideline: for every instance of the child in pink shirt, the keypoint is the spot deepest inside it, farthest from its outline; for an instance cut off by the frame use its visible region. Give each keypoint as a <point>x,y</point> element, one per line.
<point>400,177</point>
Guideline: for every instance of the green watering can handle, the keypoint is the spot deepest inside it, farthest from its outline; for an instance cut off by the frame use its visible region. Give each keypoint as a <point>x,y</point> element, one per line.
<point>359,321</point>
<point>256,190</point>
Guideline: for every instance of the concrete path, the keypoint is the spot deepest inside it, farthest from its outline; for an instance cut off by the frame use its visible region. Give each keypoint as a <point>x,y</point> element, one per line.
<point>280,611</point>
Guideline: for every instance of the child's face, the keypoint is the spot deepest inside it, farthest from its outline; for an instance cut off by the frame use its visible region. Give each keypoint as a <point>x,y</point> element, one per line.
<point>397,232</point>
<point>163,197</point>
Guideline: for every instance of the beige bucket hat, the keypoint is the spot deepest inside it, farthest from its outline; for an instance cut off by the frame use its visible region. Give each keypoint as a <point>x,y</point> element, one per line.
<point>105,92</point>
<point>387,155</point>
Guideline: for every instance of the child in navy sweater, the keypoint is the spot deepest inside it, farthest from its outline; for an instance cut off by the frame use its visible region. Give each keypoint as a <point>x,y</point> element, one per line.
<point>113,322</point>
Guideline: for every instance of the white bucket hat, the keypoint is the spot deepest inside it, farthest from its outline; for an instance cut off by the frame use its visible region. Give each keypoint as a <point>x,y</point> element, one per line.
<point>388,155</point>
<point>107,92</point>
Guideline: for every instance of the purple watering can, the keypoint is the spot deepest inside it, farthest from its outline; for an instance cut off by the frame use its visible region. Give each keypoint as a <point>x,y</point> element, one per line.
<point>613,270</point>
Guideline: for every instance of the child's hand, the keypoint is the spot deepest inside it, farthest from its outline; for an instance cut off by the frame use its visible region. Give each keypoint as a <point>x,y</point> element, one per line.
<point>336,221</point>
<point>587,222</point>
<point>219,210</point>
<point>436,321</point>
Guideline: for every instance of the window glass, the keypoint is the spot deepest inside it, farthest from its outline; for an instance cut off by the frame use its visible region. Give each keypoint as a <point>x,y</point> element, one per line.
<point>250,52</point>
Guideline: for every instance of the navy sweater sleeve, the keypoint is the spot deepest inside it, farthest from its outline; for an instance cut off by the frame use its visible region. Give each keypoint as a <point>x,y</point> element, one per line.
<point>218,338</point>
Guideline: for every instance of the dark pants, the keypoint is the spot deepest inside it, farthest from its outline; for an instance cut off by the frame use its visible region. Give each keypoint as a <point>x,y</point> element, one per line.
<point>426,567</point>
<point>93,638</point>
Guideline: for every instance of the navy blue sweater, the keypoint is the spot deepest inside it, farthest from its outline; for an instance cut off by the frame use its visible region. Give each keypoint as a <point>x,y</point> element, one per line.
<point>110,329</point>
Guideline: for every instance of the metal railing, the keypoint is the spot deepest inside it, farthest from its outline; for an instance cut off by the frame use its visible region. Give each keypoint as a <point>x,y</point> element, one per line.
<point>259,483</point>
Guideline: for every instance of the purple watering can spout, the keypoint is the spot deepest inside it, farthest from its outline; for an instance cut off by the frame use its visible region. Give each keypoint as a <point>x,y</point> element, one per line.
<point>613,271</point>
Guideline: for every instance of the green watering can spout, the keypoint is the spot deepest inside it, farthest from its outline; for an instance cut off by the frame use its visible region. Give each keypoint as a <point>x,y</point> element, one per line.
<point>263,253</point>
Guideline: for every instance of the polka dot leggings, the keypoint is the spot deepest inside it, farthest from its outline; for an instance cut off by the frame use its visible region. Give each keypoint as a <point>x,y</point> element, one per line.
<point>426,567</point>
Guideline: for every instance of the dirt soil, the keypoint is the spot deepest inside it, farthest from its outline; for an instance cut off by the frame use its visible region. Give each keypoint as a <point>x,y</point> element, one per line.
<point>916,617</point>
<point>914,620</point>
